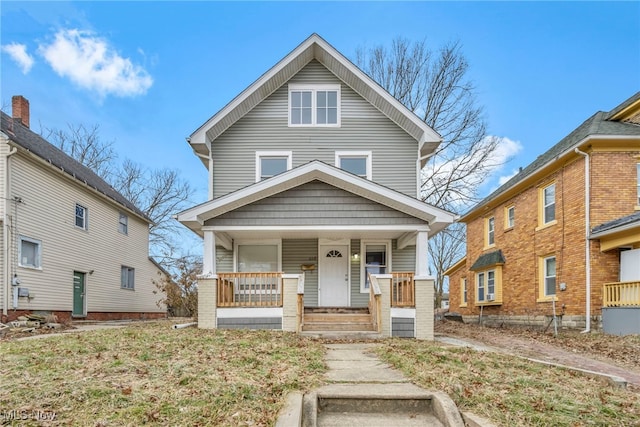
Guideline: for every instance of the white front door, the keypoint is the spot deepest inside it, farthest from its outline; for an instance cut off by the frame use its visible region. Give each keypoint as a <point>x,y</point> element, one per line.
<point>333,280</point>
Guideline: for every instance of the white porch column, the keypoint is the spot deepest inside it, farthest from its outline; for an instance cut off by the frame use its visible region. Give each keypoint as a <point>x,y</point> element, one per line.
<point>209,257</point>
<point>422,253</point>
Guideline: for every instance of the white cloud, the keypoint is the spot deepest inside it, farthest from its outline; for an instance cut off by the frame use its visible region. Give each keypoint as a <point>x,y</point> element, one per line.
<point>18,52</point>
<point>90,62</point>
<point>506,150</point>
<point>504,178</point>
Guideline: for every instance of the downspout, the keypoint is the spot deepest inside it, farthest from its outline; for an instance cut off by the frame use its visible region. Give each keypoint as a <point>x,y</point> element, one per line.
<point>5,241</point>
<point>587,252</point>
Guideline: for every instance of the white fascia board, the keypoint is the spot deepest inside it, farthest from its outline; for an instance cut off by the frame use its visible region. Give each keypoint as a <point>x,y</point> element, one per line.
<point>230,228</point>
<point>317,170</point>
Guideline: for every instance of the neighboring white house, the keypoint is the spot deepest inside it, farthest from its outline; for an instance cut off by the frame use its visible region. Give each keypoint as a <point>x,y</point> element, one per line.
<point>71,244</point>
<point>313,186</point>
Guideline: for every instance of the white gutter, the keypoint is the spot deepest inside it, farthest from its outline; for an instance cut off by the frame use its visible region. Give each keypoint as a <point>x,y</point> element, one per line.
<point>587,243</point>
<point>5,241</point>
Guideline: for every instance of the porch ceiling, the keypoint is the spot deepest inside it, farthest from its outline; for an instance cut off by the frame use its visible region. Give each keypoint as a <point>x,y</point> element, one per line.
<point>335,234</point>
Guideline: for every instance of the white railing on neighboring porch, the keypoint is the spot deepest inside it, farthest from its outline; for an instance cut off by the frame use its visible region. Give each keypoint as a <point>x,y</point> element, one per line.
<point>257,289</point>
<point>621,294</point>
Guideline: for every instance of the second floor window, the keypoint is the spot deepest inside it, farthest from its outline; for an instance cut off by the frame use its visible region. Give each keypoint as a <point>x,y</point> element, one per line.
<point>356,162</point>
<point>314,105</point>
<point>510,217</point>
<point>123,224</point>
<point>272,163</point>
<point>81,217</point>
<point>549,203</point>
<point>491,226</point>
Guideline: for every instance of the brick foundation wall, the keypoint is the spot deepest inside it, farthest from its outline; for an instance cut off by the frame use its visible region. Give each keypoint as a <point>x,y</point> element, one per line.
<point>65,316</point>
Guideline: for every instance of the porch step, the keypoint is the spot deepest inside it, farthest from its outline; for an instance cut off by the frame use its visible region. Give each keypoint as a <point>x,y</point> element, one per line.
<point>337,319</point>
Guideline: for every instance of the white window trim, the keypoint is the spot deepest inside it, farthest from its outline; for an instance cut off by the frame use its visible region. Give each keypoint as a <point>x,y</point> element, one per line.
<point>485,275</point>
<point>367,154</point>
<point>86,216</point>
<point>314,88</point>
<point>508,223</point>
<point>491,231</point>
<point>261,154</point>
<point>126,223</point>
<point>363,247</point>
<point>38,244</point>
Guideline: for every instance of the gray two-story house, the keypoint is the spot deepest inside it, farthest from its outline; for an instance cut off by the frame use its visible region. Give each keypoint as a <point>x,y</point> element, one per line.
<point>313,220</point>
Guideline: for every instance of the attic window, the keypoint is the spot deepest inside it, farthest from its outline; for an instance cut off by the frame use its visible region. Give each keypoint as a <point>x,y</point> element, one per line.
<point>314,105</point>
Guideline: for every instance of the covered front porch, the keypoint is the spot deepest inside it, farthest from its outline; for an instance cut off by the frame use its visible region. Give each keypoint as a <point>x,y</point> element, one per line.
<point>313,238</point>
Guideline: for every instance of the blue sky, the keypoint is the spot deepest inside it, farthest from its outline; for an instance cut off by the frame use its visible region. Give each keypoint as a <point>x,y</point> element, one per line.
<point>540,68</point>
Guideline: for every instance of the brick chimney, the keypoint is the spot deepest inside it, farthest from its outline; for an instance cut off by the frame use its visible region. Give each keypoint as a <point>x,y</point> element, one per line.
<point>20,109</point>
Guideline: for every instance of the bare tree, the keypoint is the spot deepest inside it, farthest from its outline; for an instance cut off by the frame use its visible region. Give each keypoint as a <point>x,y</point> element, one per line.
<point>158,193</point>
<point>434,85</point>
<point>85,145</point>
<point>180,292</point>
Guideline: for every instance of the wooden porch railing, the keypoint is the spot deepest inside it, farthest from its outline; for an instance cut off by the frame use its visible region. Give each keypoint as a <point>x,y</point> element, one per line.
<point>300,303</point>
<point>375,303</point>
<point>250,290</point>
<point>621,294</point>
<point>402,290</point>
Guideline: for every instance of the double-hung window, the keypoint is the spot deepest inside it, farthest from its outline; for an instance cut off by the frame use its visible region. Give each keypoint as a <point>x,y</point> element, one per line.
<point>548,204</point>
<point>314,105</point>
<point>487,285</point>
<point>510,217</point>
<point>272,163</point>
<point>549,271</point>
<point>491,231</point>
<point>375,261</point>
<point>463,292</point>
<point>258,257</point>
<point>127,277</point>
<point>355,162</point>
<point>30,253</point>
<point>81,217</point>
<point>123,223</point>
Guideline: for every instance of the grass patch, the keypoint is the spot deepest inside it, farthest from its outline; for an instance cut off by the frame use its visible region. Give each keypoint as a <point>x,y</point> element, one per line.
<point>512,391</point>
<point>153,374</point>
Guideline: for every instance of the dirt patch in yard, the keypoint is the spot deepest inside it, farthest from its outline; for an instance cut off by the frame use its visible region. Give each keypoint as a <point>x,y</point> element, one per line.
<point>595,351</point>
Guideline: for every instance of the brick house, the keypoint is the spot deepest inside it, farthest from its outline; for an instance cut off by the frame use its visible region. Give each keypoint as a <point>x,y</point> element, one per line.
<point>563,234</point>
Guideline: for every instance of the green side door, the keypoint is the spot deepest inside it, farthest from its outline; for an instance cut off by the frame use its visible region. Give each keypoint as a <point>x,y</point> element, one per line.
<point>78,294</point>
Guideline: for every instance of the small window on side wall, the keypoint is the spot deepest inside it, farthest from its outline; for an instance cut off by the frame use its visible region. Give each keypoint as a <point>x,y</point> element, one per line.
<point>123,223</point>
<point>548,204</point>
<point>81,217</point>
<point>29,253</point>
<point>491,231</point>
<point>127,277</point>
<point>510,217</point>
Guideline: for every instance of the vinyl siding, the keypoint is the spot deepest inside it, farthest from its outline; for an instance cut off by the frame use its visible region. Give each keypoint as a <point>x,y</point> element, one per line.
<point>358,299</point>
<point>48,214</point>
<point>298,252</point>
<point>224,260</point>
<point>363,128</point>
<point>4,149</point>
<point>403,259</point>
<point>314,203</point>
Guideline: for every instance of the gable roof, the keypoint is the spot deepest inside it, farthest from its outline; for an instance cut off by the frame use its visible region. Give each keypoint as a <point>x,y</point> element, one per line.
<point>316,48</point>
<point>437,218</point>
<point>23,137</point>
<point>601,124</point>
